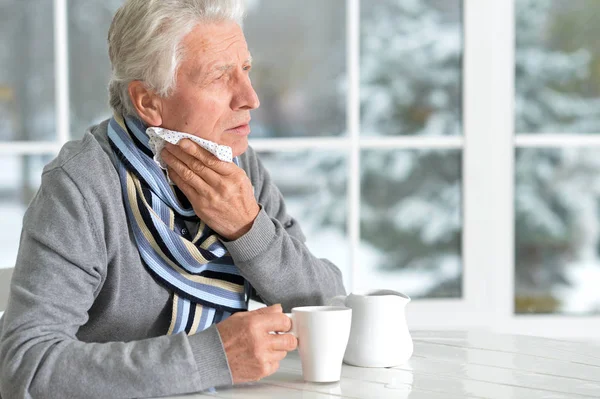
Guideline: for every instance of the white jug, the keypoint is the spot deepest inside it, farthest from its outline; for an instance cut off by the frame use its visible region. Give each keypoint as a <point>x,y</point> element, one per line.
<point>379,335</point>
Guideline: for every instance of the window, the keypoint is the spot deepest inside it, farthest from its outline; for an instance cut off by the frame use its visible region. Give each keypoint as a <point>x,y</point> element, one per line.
<point>461,172</point>
<point>369,199</point>
<point>27,85</point>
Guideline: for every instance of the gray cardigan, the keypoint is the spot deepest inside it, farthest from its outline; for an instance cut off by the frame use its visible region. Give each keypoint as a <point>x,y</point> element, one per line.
<point>84,317</point>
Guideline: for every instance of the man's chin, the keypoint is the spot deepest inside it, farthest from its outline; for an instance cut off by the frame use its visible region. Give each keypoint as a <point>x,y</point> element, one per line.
<point>239,148</point>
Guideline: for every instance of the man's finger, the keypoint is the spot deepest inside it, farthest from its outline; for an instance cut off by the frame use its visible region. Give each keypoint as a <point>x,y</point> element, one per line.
<point>283,342</point>
<point>196,165</point>
<point>188,190</point>
<point>278,356</point>
<point>185,174</point>
<point>208,159</point>
<point>276,322</point>
<point>268,309</point>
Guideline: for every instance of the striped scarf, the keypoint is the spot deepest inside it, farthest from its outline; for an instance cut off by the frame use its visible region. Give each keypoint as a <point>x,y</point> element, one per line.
<point>207,286</point>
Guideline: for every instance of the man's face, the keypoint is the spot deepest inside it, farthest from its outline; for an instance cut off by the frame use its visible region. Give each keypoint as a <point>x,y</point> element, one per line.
<point>213,96</point>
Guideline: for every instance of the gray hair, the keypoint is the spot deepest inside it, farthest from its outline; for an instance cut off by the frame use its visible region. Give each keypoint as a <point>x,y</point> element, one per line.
<point>145,42</point>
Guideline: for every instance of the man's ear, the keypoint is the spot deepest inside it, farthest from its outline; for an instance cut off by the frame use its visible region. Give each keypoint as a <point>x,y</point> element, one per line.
<point>146,103</point>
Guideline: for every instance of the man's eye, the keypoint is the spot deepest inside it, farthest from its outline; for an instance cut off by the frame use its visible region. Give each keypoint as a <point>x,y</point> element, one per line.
<point>247,67</point>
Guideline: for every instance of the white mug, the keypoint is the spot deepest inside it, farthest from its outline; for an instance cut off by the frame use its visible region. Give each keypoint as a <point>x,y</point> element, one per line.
<point>322,333</point>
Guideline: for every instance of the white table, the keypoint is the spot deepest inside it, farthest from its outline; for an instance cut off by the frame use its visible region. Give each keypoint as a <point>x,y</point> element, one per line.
<point>450,365</point>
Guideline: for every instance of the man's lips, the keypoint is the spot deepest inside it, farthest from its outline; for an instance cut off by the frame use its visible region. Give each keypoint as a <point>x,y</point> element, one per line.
<point>243,129</point>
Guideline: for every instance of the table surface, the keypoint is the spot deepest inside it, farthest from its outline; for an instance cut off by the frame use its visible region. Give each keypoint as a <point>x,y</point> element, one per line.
<point>450,365</point>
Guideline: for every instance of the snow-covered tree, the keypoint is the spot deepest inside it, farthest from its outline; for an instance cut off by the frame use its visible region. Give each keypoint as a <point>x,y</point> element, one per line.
<point>411,210</point>
<point>551,77</point>
<point>410,67</point>
<point>557,191</point>
<point>411,85</point>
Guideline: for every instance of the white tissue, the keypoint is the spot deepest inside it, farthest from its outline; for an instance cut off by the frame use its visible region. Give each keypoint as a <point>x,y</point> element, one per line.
<point>158,137</point>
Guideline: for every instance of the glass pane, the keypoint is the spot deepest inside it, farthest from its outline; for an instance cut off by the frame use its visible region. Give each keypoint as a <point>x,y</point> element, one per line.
<point>557,75</point>
<point>314,186</point>
<point>411,222</point>
<point>411,56</point>
<point>27,90</point>
<point>5,278</point>
<point>16,191</point>
<point>557,231</point>
<point>89,65</point>
<point>299,69</point>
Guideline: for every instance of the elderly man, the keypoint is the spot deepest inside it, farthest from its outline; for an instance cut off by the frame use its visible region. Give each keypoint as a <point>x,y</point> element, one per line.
<point>128,284</point>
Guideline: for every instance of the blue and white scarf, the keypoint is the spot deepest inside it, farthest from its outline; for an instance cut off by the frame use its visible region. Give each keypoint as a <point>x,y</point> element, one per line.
<point>207,286</point>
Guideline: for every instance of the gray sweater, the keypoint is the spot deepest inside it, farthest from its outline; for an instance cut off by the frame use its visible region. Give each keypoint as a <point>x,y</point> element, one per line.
<point>86,320</point>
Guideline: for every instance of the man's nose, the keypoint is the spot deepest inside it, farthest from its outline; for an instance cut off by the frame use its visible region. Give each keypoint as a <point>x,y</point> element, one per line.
<point>245,97</point>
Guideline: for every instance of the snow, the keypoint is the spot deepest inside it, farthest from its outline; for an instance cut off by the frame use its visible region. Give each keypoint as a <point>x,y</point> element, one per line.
<point>582,296</point>
<point>11,215</point>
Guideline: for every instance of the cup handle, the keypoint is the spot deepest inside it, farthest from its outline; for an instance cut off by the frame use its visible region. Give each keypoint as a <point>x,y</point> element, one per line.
<point>293,330</point>
<point>339,300</point>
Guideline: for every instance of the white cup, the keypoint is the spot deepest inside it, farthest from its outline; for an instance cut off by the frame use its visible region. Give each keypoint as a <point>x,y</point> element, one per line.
<point>322,333</point>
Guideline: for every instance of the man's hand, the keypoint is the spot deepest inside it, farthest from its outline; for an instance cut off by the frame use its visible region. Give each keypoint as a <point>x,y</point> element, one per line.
<point>251,351</point>
<point>220,192</point>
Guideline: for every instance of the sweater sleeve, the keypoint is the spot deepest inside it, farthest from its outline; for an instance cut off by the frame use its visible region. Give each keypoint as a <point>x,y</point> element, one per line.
<point>273,256</point>
<point>60,269</point>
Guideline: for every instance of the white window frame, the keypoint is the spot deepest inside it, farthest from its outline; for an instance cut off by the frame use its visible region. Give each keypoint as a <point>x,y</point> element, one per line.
<point>488,146</point>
